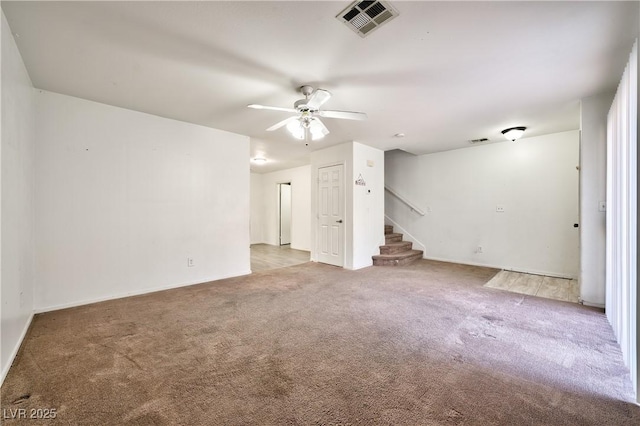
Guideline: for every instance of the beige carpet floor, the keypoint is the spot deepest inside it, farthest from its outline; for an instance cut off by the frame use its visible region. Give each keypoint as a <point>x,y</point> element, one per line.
<point>424,344</point>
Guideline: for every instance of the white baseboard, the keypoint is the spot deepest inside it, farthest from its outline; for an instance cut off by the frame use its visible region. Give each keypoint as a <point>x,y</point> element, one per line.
<point>593,305</point>
<point>360,266</point>
<point>14,352</point>
<point>74,304</point>
<point>488,265</point>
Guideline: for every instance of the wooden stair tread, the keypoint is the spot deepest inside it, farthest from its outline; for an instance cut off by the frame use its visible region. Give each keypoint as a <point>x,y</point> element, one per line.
<point>395,251</point>
<point>392,247</point>
<point>396,243</point>
<point>392,238</point>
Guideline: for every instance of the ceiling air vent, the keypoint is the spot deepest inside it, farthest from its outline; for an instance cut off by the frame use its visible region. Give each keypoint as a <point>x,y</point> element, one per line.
<point>479,140</point>
<point>365,16</point>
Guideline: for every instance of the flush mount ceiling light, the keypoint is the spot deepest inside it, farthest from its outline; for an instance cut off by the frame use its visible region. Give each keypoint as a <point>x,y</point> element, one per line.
<point>514,133</point>
<point>259,160</point>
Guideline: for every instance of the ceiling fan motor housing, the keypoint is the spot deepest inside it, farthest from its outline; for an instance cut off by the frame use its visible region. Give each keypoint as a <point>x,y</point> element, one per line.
<point>306,90</point>
<point>301,105</point>
<point>307,109</point>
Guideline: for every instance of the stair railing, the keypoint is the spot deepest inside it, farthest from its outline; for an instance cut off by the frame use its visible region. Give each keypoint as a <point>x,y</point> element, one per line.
<point>412,206</point>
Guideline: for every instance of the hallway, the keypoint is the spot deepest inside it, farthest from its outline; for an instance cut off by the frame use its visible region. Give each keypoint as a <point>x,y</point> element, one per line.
<point>266,256</point>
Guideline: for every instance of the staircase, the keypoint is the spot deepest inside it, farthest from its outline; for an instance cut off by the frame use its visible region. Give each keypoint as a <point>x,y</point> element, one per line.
<point>395,252</point>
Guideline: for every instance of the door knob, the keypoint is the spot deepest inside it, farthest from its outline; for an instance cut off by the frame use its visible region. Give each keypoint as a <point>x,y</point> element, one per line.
<point>339,221</point>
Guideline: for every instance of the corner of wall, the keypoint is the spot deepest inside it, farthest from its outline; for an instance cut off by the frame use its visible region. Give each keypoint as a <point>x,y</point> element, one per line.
<point>593,190</point>
<point>460,190</point>
<point>17,206</point>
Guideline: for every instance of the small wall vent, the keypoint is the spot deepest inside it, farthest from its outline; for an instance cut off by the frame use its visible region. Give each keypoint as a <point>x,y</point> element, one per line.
<point>365,16</point>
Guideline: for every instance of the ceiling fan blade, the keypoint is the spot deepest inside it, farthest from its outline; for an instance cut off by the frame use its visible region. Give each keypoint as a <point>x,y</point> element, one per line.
<point>281,123</point>
<point>349,115</point>
<point>255,106</point>
<point>323,128</point>
<point>318,98</point>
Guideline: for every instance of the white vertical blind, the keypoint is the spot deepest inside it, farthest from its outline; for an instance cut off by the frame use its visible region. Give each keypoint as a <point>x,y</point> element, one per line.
<point>621,286</point>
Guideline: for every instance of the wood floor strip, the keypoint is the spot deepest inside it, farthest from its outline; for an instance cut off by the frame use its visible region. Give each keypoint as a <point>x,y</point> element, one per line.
<point>536,285</point>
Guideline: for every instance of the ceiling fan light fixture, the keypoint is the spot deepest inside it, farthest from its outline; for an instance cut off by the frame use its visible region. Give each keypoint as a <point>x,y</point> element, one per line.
<point>295,128</point>
<point>514,133</point>
<point>318,131</point>
<point>307,112</point>
<point>298,134</point>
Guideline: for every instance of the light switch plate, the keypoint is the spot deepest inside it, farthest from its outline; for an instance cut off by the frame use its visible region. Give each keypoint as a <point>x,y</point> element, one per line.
<point>602,206</point>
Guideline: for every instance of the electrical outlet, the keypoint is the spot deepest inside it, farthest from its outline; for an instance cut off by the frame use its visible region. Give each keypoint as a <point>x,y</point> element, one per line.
<point>500,208</point>
<point>190,262</point>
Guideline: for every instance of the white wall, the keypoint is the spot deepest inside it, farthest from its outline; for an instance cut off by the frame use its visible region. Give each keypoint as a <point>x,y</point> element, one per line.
<point>593,187</point>
<point>124,198</point>
<point>257,209</point>
<point>368,204</point>
<point>300,178</point>
<point>534,179</point>
<point>17,200</point>
<point>364,211</point>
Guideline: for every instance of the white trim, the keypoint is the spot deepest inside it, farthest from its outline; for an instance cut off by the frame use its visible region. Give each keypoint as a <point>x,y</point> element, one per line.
<point>523,271</point>
<point>361,266</point>
<point>14,353</point>
<point>593,305</point>
<point>134,293</point>
<point>621,219</point>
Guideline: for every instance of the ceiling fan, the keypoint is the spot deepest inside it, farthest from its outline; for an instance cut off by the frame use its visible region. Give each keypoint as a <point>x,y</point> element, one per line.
<point>308,114</point>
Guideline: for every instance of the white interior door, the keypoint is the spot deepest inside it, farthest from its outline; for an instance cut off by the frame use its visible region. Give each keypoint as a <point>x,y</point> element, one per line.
<point>285,213</point>
<point>331,215</point>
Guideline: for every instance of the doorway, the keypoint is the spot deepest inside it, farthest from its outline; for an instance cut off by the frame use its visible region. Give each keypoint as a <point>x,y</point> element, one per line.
<point>284,191</point>
<point>331,215</point>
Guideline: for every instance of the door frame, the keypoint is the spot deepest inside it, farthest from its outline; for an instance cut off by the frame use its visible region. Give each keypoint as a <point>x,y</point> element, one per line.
<point>279,211</point>
<point>316,202</point>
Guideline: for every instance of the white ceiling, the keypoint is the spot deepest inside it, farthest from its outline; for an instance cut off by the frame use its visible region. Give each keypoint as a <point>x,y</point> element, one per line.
<point>442,72</point>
